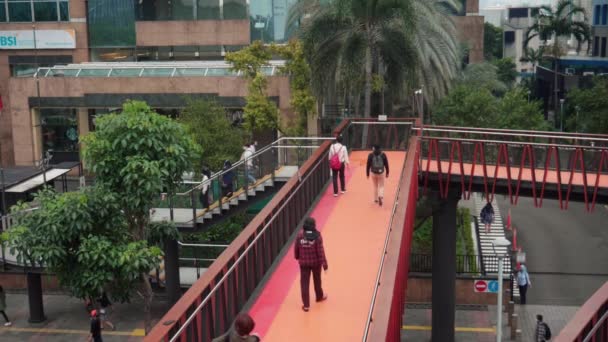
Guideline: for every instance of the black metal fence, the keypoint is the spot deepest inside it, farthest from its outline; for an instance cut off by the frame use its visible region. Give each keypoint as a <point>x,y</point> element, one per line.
<point>465,264</point>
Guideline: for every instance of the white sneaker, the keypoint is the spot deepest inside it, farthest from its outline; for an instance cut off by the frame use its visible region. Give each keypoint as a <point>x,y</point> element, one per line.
<point>335,195</point>
<point>8,324</point>
<point>343,191</point>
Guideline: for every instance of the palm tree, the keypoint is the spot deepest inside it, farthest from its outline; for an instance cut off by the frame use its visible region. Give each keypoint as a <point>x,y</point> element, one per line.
<point>409,43</point>
<point>558,23</point>
<point>533,56</point>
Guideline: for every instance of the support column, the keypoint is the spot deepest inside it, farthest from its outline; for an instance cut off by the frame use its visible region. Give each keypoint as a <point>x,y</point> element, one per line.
<point>172,281</point>
<point>34,294</point>
<point>444,268</point>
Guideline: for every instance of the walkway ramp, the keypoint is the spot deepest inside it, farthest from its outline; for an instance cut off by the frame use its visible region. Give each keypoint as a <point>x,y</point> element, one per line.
<point>354,229</point>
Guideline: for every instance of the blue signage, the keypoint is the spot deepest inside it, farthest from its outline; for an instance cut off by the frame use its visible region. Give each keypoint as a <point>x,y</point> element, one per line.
<point>493,286</point>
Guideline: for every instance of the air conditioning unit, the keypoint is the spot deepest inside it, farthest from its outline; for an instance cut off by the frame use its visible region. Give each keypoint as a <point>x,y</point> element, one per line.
<point>569,71</point>
<point>588,73</point>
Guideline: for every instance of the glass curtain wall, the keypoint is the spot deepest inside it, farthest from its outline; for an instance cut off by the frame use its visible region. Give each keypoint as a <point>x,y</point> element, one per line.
<point>269,20</point>
<point>157,10</point>
<point>59,128</point>
<point>111,23</point>
<point>34,10</point>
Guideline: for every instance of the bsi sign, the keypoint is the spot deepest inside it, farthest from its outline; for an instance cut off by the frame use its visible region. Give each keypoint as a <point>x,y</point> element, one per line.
<point>45,39</point>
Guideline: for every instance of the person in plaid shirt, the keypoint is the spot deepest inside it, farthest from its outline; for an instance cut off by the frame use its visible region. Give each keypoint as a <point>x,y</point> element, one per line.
<point>310,254</point>
<point>541,329</point>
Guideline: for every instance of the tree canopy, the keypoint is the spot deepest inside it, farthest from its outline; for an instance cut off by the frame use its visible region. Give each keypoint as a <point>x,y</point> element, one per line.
<point>588,108</point>
<point>492,42</point>
<point>207,123</point>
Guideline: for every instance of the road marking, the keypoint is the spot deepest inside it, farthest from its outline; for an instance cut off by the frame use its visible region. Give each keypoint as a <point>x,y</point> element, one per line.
<point>134,332</point>
<point>457,329</point>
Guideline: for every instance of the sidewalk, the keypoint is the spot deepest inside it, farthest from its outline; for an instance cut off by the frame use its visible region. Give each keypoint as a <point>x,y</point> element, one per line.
<point>67,320</point>
<point>479,324</point>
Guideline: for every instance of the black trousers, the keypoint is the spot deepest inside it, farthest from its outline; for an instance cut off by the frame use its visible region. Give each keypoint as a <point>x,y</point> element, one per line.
<point>522,293</point>
<point>5,317</point>
<point>204,197</point>
<point>334,175</point>
<point>305,283</point>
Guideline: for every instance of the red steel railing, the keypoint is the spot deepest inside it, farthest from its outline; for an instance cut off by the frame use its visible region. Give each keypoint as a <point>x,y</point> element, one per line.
<point>560,165</point>
<point>590,323</point>
<point>386,311</point>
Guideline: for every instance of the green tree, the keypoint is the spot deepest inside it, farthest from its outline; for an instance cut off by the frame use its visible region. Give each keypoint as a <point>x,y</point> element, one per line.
<point>515,112</point>
<point>83,238</point>
<point>557,25</point>
<point>207,123</point>
<point>483,75</point>
<point>466,106</point>
<point>492,42</point>
<point>588,108</point>
<point>135,155</point>
<point>506,70</point>
<point>408,42</point>
<point>259,112</point>
<point>534,56</point>
<point>302,99</point>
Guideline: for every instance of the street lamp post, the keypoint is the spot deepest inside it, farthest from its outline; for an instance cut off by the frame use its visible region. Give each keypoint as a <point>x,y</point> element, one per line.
<point>578,108</point>
<point>500,242</point>
<point>561,114</point>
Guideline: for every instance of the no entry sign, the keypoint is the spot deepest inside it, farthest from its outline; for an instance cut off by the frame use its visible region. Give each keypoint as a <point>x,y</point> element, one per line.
<point>490,286</point>
<point>481,286</point>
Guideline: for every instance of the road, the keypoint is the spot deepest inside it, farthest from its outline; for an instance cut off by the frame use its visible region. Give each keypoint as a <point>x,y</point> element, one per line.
<point>566,250</point>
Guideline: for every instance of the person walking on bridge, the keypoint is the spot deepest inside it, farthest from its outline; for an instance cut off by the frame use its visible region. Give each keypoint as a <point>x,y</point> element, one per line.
<point>377,163</point>
<point>310,254</point>
<point>338,158</point>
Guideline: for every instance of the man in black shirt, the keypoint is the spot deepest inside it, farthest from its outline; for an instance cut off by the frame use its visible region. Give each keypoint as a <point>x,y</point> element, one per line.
<point>95,327</point>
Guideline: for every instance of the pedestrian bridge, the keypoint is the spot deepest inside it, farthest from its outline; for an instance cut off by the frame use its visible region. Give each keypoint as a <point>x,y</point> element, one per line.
<point>367,246</point>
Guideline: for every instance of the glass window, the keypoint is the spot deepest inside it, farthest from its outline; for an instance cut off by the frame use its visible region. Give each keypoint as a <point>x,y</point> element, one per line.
<point>148,10</point>
<point>62,73</point>
<point>94,73</point>
<point>130,72</point>
<point>267,71</point>
<point>113,55</point>
<point>59,130</point>
<point>185,53</point>
<point>182,9</point>
<point>235,9</point>
<point>604,14</point>
<point>45,11</point>
<point>596,15</point>
<point>190,72</point>
<point>157,72</point>
<point>23,70</point>
<point>208,9</point>
<point>220,72</point>
<point>2,11</point>
<point>64,11</point>
<point>42,72</point>
<point>111,23</point>
<point>20,11</point>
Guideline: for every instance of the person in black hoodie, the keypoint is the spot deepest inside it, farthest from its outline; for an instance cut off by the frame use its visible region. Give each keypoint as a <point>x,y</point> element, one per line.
<point>310,254</point>
<point>377,163</point>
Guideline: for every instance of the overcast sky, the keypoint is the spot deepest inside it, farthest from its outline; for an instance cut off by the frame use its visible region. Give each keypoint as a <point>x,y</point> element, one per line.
<point>486,3</point>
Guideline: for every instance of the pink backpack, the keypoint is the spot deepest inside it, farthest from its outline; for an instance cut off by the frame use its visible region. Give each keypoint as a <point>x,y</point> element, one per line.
<point>334,161</point>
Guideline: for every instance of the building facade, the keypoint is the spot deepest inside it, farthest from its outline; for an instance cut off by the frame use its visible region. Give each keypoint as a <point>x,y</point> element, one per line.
<point>169,51</point>
<point>599,28</point>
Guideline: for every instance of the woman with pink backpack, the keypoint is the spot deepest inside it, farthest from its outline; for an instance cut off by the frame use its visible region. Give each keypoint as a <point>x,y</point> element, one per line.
<point>338,158</point>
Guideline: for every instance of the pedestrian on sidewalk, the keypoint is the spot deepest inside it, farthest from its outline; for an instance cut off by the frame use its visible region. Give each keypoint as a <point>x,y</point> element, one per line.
<point>542,332</point>
<point>95,331</point>
<point>310,254</point>
<point>105,305</point>
<point>377,163</point>
<point>487,216</point>
<point>240,331</point>
<point>338,159</point>
<point>3,307</point>
<point>523,282</point>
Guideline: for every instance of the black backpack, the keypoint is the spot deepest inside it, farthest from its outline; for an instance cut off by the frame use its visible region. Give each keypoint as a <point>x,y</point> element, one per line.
<point>547,332</point>
<point>378,163</point>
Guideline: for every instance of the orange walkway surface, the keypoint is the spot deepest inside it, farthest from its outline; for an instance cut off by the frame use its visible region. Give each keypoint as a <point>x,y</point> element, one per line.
<point>354,229</point>
<point>526,173</point>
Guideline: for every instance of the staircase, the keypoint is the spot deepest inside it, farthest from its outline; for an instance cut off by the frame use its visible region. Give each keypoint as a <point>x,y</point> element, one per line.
<point>487,251</point>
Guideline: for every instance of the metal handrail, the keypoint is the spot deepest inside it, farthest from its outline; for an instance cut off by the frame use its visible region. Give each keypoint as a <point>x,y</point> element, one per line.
<point>384,252</point>
<point>521,133</point>
<point>249,247</point>
<point>597,325</point>
<point>238,163</point>
<point>199,244</point>
<point>510,142</point>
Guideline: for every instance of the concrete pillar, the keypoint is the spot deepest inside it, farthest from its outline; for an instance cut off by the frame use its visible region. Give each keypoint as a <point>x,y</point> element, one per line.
<point>172,281</point>
<point>444,267</point>
<point>34,294</point>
